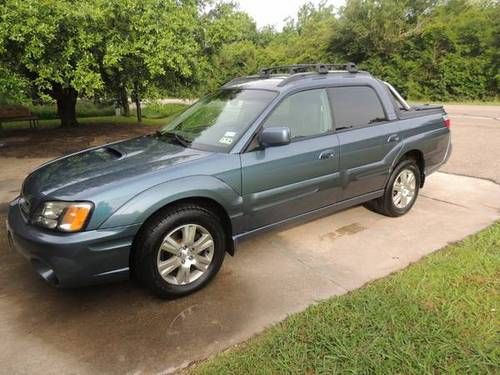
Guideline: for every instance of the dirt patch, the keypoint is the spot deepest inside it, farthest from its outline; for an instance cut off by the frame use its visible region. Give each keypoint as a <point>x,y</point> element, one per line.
<point>48,143</point>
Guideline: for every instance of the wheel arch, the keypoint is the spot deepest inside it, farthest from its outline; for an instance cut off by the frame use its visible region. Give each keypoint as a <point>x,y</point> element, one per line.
<point>416,155</point>
<point>206,203</point>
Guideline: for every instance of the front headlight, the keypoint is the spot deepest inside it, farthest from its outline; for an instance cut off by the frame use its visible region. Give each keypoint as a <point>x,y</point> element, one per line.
<point>64,216</point>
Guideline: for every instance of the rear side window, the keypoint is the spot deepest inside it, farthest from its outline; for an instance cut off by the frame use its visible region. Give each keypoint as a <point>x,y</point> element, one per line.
<point>355,106</point>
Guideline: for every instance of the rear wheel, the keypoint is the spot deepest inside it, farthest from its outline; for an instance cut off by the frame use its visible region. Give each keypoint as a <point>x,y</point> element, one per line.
<point>401,190</point>
<point>179,251</point>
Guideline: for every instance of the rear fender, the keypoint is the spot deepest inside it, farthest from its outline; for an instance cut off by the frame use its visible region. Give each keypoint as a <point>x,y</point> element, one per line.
<point>433,146</point>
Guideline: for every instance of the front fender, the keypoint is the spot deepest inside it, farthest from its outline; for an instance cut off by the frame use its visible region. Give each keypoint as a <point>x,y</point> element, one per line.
<point>138,209</point>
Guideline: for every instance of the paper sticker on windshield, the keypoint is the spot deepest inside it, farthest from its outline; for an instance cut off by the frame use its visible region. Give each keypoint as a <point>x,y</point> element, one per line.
<point>229,134</point>
<point>226,140</point>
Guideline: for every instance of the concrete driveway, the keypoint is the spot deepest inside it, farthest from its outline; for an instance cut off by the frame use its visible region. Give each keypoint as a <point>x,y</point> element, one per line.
<point>476,141</point>
<point>120,328</point>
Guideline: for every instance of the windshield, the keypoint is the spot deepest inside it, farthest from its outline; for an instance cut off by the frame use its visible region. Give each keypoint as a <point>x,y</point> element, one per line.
<point>217,121</point>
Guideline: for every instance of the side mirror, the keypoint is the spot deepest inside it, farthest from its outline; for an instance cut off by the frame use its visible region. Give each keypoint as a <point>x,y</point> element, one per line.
<point>277,136</point>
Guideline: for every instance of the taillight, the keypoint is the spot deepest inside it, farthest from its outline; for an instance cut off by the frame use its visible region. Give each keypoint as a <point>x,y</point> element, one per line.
<point>446,121</point>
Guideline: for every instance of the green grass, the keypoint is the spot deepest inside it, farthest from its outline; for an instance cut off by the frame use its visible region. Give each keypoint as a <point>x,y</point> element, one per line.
<point>157,110</point>
<point>438,316</point>
<point>89,113</point>
<point>84,108</point>
<point>117,120</point>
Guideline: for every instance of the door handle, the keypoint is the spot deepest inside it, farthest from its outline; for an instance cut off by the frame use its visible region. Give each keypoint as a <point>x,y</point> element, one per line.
<point>328,154</point>
<point>393,138</point>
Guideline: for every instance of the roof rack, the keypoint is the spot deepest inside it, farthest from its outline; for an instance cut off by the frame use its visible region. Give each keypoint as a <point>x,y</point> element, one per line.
<point>294,72</point>
<point>303,68</point>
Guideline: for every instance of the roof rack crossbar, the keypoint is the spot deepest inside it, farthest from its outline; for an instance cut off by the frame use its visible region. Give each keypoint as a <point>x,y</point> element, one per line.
<point>294,72</point>
<point>303,68</point>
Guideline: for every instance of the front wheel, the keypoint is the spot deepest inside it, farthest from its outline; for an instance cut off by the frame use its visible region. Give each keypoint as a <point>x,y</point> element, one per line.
<point>401,191</point>
<point>179,251</point>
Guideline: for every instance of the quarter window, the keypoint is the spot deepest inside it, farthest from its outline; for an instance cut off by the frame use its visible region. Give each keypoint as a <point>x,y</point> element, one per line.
<point>355,106</point>
<point>306,113</point>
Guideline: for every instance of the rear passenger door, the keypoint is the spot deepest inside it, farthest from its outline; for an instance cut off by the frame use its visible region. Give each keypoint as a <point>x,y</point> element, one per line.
<point>368,141</point>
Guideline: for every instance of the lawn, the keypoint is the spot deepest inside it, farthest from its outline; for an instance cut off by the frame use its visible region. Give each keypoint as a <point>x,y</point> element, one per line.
<point>437,316</point>
<point>116,120</point>
<point>87,108</point>
<point>90,113</point>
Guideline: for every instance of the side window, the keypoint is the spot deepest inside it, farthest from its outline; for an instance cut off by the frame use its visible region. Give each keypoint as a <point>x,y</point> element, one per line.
<point>355,106</point>
<point>306,113</point>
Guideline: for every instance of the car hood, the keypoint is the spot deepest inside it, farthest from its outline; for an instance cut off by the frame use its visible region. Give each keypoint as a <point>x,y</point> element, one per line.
<point>109,164</point>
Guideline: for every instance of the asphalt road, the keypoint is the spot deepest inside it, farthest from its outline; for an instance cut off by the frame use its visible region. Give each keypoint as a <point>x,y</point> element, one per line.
<point>119,328</point>
<point>476,141</point>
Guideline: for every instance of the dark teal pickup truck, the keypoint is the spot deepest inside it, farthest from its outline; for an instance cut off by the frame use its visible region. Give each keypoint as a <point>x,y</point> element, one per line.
<point>286,145</point>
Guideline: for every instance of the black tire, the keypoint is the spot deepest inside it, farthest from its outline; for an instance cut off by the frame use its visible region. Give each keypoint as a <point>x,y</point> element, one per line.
<point>385,205</point>
<point>150,238</point>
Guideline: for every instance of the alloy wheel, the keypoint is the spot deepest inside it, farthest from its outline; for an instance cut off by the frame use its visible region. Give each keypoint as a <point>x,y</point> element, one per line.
<point>403,189</point>
<point>185,254</point>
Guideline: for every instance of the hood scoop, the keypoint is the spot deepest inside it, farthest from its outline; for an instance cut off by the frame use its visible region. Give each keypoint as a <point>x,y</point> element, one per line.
<point>109,153</point>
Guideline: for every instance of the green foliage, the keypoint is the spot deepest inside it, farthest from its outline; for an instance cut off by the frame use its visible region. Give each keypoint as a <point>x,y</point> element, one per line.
<point>151,44</point>
<point>65,49</point>
<point>13,87</point>
<point>432,49</point>
<point>51,42</point>
<point>428,49</point>
<point>230,44</point>
<point>233,60</point>
<point>446,50</point>
<point>226,24</point>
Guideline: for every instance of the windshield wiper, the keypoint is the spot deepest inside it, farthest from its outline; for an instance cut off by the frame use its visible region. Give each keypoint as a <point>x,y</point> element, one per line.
<point>183,141</point>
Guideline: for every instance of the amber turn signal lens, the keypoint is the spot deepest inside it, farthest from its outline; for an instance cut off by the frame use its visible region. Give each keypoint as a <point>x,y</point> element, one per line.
<point>75,217</point>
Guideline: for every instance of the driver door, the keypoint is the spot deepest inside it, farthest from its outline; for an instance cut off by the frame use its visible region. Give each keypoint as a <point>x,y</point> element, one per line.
<point>281,182</point>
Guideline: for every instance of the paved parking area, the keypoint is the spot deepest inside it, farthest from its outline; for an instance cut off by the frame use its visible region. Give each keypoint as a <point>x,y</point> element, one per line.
<point>120,328</point>
<point>476,141</point>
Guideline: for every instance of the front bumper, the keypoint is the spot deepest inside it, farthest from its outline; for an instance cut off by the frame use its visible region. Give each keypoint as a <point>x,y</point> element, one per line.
<point>72,259</point>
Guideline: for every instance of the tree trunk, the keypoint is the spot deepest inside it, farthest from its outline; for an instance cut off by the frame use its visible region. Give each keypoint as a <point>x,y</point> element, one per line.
<point>66,105</point>
<point>137,98</point>
<point>124,101</point>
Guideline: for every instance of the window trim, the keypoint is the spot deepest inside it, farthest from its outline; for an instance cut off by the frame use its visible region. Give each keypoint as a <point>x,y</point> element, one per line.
<point>361,126</point>
<point>297,139</point>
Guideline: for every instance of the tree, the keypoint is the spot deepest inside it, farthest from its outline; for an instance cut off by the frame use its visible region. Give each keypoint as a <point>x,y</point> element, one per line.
<point>151,45</point>
<point>428,49</point>
<point>225,24</point>
<point>67,48</point>
<point>51,46</point>
<point>229,37</point>
<point>304,40</point>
